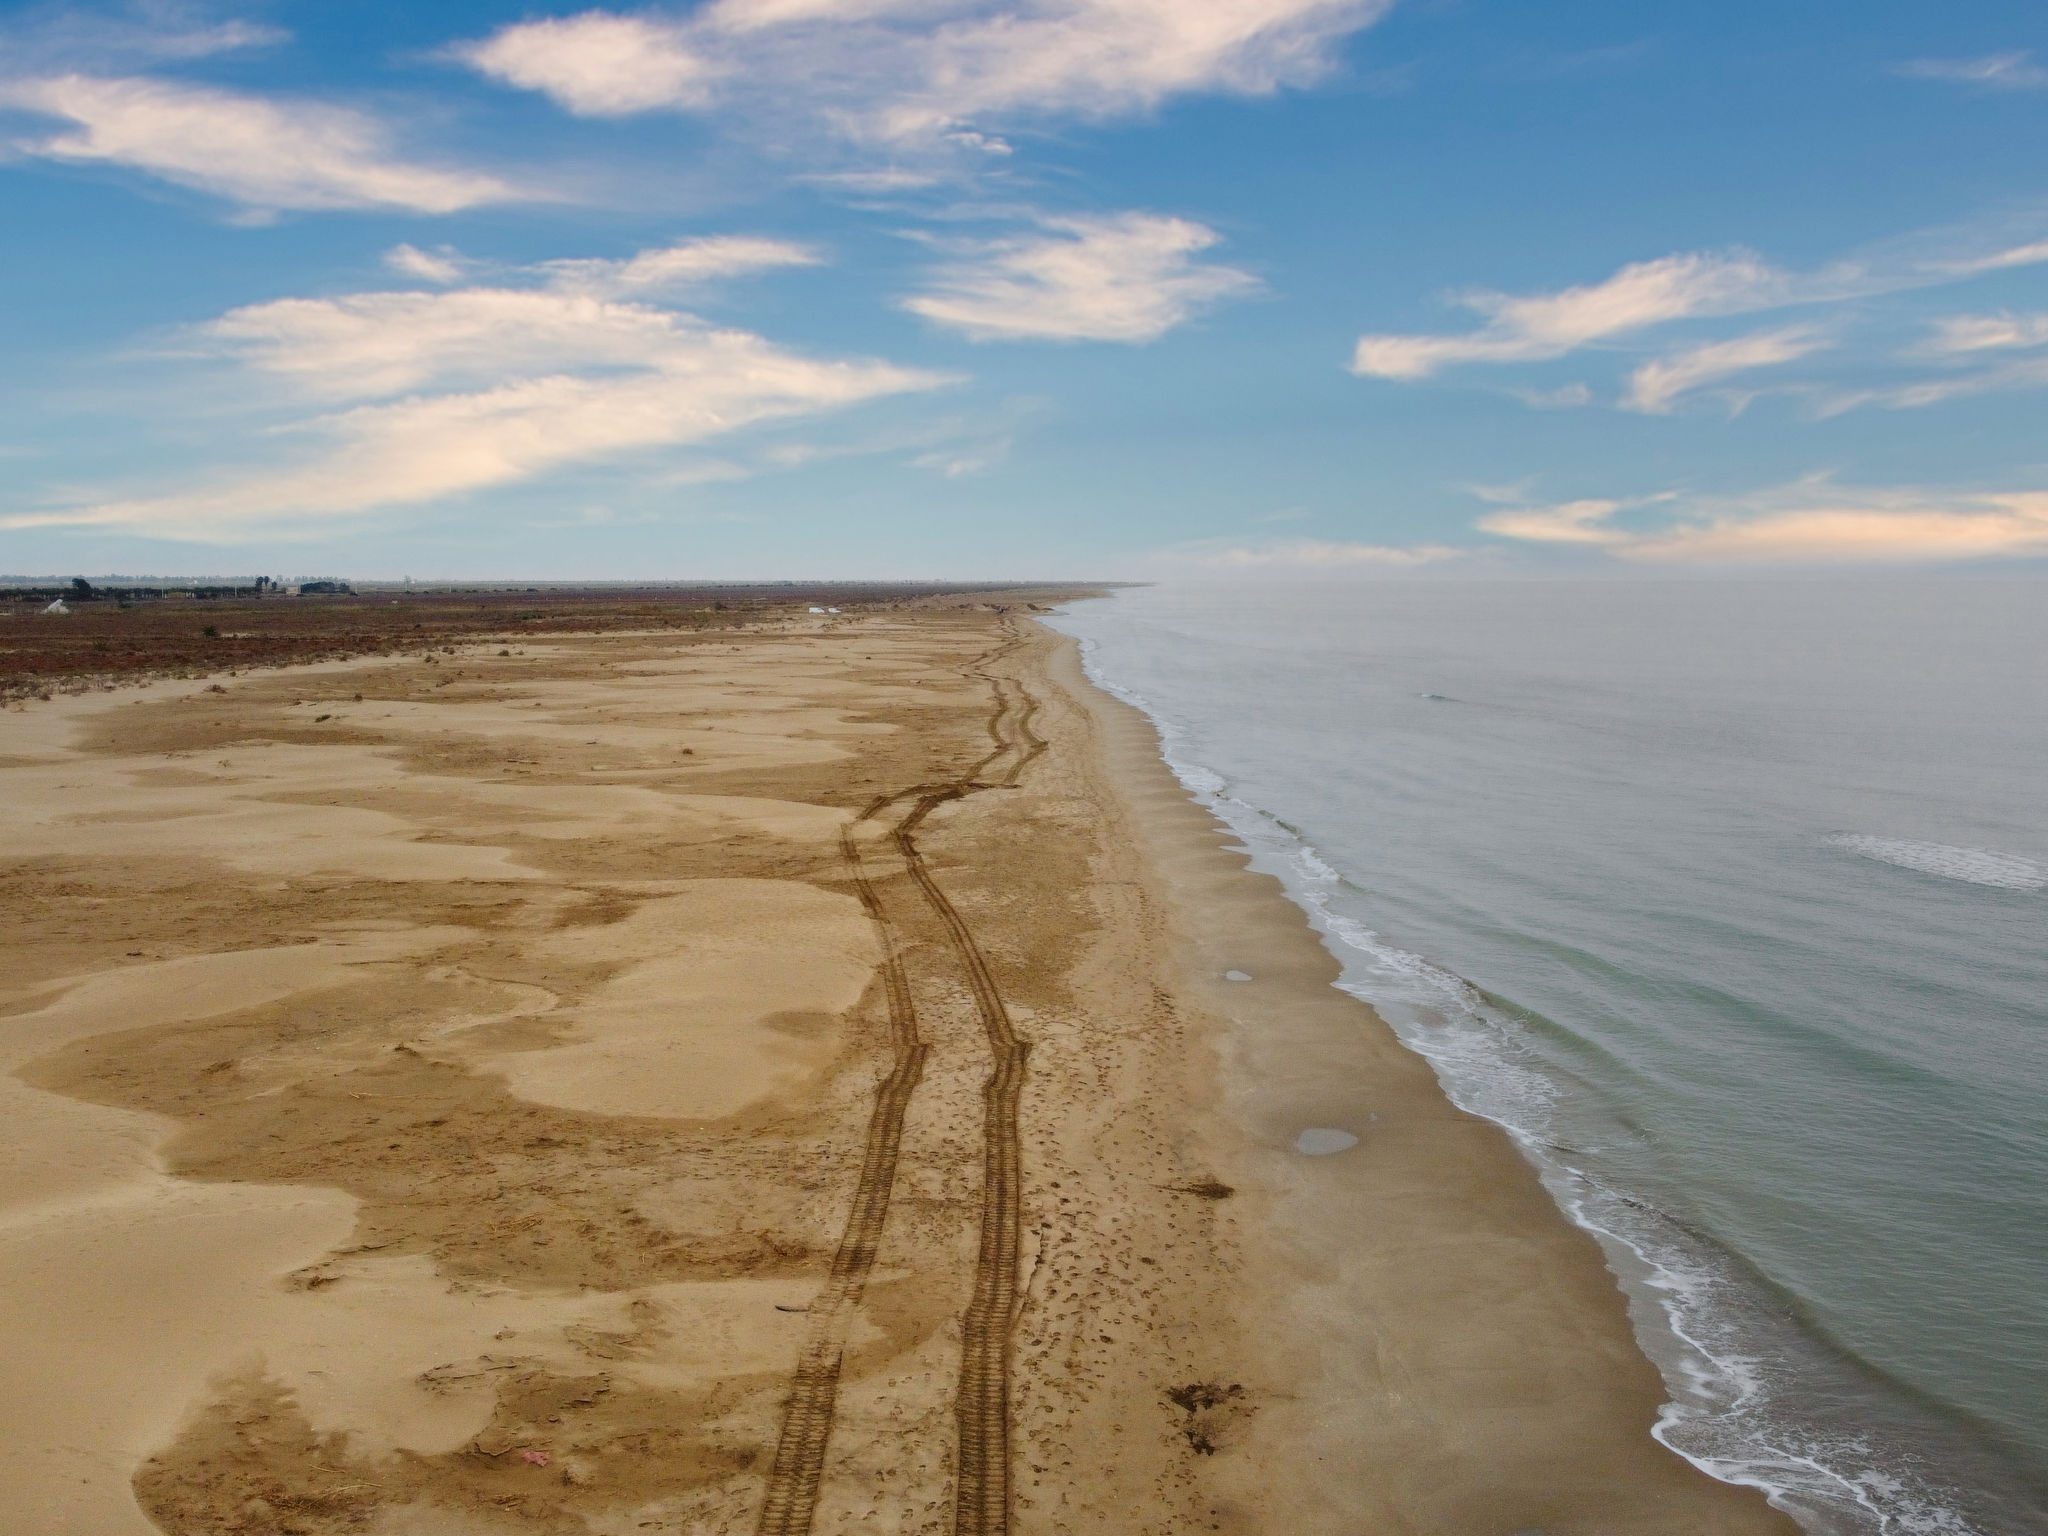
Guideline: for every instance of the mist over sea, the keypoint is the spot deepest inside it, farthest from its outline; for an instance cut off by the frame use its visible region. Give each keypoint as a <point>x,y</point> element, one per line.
<point>1730,899</point>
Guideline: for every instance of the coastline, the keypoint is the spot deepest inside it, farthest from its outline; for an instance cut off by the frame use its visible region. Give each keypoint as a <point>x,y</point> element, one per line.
<point>1471,1358</point>
<point>742,1082</point>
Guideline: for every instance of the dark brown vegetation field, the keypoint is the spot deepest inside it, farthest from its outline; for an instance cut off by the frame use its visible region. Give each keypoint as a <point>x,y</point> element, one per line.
<point>104,639</point>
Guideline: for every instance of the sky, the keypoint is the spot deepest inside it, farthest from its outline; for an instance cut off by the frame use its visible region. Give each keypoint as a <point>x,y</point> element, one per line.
<point>758,289</point>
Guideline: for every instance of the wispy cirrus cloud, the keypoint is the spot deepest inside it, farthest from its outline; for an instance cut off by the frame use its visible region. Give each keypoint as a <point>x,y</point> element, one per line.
<point>2027,373</point>
<point>1810,522</point>
<point>1641,297</point>
<point>1963,335</point>
<point>1541,326</point>
<point>443,265</point>
<point>410,452</point>
<point>1565,522</point>
<point>1973,348</point>
<point>1128,277</point>
<point>684,267</point>
<point>264,153</point>
<point>1993,71</point>
<point>447,392</point>
<point>681,266</point>
<point>61,38</point>
<point>1657,387</point>
<point>908,72</point>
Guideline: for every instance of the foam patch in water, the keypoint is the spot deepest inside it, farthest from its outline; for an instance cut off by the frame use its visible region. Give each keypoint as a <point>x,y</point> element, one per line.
<point>1978,866</point>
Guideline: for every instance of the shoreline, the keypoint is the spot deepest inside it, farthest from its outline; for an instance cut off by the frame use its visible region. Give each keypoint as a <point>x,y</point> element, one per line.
<point>742,1081</point>
<point>1761,1390</point>
<point>1298,1055</point>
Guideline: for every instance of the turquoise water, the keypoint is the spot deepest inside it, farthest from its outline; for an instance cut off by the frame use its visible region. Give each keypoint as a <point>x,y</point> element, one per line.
<point>1728,898</point>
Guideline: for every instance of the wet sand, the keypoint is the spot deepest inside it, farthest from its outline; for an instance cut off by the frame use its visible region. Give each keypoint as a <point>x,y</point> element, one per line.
<point>754,1081</point>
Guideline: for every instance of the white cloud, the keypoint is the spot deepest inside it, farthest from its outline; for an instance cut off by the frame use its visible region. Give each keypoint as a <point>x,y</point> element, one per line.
<point>1128,277</point>
<point>2030,254</point>
<point>872,183</point>
<point>206,41</point>
<point>420,450</point>
<point>1812,522</point>
<point>438,266</point>
<point>1964,334</point>
<point>1998,71</point>
<point>1685,286</point>
<point>921,70</point>
<point>598,64</point>
<point>1985,528</point>
<point>370,344</point>
<point>1570,522</point>
<point>686,263</point>
<point>2029,373</point>
<point>56,39</point>
<point>266,154</point>
<point>661,270</point>
<point>1548,325</point>
<point>478,387</point>
<point>1657,386</point>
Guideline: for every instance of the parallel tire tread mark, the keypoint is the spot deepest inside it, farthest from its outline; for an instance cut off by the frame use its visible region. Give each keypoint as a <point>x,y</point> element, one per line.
<point>794,1477</point>
<point>982,1406</point>
<point>982,1498</point>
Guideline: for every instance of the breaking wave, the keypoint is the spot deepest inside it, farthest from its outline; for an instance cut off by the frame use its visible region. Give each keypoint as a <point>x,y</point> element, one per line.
<point>1977,866</point>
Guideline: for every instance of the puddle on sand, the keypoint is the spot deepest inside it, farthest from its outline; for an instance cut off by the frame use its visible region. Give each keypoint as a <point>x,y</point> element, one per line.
<point>1322,1140</point>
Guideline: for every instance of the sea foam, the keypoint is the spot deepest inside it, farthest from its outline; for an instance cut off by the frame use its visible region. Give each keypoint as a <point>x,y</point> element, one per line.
<point>1977,866</point>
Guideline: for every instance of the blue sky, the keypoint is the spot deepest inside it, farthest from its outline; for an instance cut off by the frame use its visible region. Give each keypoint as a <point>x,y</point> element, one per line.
<point>1064,288</point>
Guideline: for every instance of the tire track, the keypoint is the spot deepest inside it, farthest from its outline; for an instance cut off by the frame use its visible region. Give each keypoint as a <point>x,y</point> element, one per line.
<point>981,1504</point>
<point>981,1410</point>
<point>807,1420</point>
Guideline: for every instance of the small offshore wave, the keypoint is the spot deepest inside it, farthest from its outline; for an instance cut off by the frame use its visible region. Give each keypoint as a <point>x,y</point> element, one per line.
<point>1977,866</point>
<point>1724,1416</point>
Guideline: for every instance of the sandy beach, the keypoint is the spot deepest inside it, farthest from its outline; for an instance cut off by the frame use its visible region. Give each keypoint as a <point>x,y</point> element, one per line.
<point>822,1075</point>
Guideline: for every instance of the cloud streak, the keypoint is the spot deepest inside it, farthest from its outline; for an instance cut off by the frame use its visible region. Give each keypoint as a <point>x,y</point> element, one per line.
<point>1963,335</point>
<point>1657,387</point>
<point>263,153</point>
<point>685,265</point>
<point>1128,277</point>
<point>445,393</point>
<point>1812,522</point>
<point>1996,71</point>
<point>1542,326</point>
<point>919,72</point>
<point>1704,285</point>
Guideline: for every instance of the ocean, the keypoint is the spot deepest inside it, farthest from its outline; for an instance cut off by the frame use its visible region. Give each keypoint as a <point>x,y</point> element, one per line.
<point>1729,899</point>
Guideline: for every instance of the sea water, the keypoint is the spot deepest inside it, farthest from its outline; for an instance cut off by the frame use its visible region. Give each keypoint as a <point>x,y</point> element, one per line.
<point>1729,899</point>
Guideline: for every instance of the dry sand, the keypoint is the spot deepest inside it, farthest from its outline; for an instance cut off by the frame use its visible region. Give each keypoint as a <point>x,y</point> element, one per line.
<point>769,1082</point>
